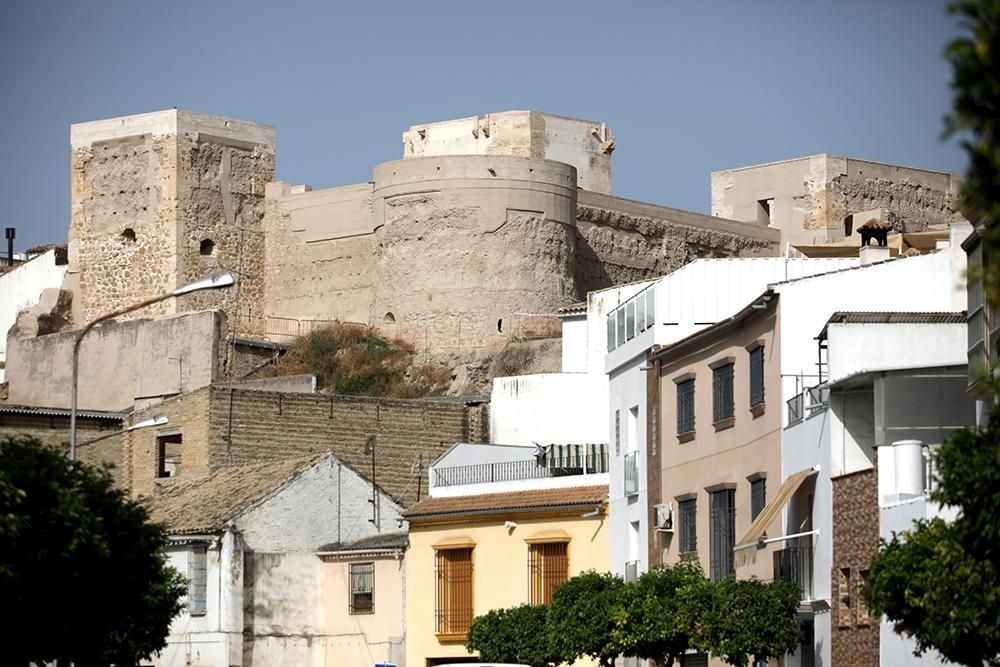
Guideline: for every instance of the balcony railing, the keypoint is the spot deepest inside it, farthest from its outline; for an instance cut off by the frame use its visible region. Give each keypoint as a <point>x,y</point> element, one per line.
<point>631,473</point>
<point>506,471</point>
<point>796,564</point>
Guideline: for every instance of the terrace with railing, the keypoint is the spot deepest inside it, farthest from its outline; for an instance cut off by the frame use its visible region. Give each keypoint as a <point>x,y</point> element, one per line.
<point>796,564</point>
<point>552,464</point>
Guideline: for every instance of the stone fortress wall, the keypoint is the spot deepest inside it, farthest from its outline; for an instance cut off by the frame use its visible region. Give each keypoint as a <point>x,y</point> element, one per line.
<point>163,198</point>
<point>484,223</point>
<point>809,198</point>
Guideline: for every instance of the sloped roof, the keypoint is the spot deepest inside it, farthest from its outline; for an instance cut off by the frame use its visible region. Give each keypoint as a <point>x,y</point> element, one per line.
<point>371,543</point>
<point>891,317</point>
<point>491,503</point>
<point>206,504</point>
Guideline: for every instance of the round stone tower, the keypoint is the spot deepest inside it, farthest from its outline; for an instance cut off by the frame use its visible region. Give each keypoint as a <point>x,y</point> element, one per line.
<point>463,243</point>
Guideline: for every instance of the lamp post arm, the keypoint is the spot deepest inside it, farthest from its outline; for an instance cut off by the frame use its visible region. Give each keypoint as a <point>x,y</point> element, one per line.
<point>76,361</point>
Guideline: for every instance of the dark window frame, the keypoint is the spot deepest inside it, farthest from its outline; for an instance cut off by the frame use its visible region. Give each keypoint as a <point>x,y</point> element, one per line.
<point>685,407</point>
<point>722,533</point>
<point>723,403</point>
<point>758,497</point>
<point>756,372</point>
<point>548,566</point>
<point>687,526</point>
<point>362,598</point>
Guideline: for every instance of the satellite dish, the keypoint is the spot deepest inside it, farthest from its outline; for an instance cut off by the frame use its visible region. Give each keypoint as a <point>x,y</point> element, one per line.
<point>370,444</point>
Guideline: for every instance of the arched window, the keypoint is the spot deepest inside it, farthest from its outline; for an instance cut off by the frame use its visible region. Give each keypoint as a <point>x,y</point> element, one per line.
<point>128,234</point>
<point>207,247</point>
<point>389,318</point>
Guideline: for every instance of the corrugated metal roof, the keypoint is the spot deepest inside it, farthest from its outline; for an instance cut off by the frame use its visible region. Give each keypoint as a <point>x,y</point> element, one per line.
<point>61,412</point>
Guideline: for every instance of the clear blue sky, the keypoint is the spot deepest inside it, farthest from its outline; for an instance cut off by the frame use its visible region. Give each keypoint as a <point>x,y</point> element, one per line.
<point>686,87</point>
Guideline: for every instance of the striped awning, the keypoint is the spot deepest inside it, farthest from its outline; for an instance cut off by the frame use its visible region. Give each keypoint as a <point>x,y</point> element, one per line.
<point>772,508</point>
<point>591,457</point>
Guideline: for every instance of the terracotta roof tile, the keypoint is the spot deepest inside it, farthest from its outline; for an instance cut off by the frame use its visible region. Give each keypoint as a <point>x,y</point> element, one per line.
<point>206,504</point>
<point>488,503</point>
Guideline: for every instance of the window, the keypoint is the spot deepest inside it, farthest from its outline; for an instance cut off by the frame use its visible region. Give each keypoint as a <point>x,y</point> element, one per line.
<point>362,588</point>
<point>128,234</point>
<point>548,566</point>
<point>764,211</point>
<point>453,591</point>
<point>757,376</point>
<point>631,473</point>
<point>685,406</point>
<point>618,432</point>
<point>722,539</point>
<point>168,455</point>
<point>758,496</point>
<point>207,247</point>
<point>722,395</point>
<point>686,517</point>
<point>198,580</point>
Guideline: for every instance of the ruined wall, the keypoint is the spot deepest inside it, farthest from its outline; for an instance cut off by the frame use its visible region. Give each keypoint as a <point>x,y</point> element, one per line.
<point>231,425</point>
<point>146,190</point>
<point>119,362</point>
<point>808,198</point>
<point>622,241</point>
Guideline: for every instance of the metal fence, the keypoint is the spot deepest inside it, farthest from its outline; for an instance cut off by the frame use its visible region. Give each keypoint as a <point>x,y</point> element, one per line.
<point>796,564</point>
<point>503,471</point>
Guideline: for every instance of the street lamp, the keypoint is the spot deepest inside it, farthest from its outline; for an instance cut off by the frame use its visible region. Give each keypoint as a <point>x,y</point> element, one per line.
<point>155,420</point>
<point>213,281</point>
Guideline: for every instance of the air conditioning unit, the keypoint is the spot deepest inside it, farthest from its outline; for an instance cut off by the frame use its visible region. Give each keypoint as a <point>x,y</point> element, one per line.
<point>663,516</point>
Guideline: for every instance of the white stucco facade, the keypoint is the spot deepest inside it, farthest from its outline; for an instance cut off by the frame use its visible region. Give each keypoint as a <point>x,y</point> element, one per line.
<point>21,288</point>
<point>264,593</point>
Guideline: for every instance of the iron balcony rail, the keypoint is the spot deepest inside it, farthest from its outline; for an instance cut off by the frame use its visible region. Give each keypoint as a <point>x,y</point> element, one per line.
<point>505,471</point>
<point>796,564</point>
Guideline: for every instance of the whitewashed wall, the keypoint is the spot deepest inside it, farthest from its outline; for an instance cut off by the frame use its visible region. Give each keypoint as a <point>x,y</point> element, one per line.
<point>549,408</point>
<point>21,287</point>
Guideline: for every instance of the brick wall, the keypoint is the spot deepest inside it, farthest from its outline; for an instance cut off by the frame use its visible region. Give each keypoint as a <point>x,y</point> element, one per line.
<point>222,425</point>
<point>53,431</point>
<point>855,638</point>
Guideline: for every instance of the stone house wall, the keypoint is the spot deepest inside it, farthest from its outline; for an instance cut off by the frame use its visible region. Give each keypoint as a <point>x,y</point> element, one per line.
<point>854,635</point>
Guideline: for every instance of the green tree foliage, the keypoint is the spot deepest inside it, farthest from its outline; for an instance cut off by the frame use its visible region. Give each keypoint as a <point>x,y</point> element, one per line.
<point>581,619</point>
<point>662,611</point>
<point>354,359</point>
<point>516,635</point>
<point>752,620</point>
<point>83,574</point>
<point>975,60</point>
<point>939,583</point>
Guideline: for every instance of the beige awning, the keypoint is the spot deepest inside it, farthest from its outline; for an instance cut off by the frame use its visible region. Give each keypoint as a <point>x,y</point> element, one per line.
<point>773,507</point>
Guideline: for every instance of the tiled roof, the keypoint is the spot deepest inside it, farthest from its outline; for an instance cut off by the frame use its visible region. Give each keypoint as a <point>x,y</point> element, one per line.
<point>873,317</point>
<point>60,412</point>
<point>206,504</point>
<point>574,308</point>
<point>489,503</point>
<point>371,543</point>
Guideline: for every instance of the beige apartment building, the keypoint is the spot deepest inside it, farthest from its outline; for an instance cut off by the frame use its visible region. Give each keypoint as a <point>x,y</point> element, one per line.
<point>719,434</point>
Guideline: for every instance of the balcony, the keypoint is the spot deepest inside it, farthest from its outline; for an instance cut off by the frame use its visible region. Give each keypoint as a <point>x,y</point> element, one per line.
<point>631,473</point>
<point>796,564</point>
<point>506,471</point>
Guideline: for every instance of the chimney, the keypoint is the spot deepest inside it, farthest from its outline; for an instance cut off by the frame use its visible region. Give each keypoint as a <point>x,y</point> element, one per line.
<point>873,253</point>
<point>9,233</point>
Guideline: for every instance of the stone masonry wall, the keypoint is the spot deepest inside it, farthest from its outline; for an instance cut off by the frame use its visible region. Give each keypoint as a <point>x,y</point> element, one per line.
<point>854,636</point>
<point>121,240</point>
<point>231,425</point>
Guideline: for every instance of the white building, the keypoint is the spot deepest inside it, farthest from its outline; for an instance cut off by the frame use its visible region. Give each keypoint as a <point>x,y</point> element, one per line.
<point>601,394</point>
<point>22,287</point>
<point>250,539</point>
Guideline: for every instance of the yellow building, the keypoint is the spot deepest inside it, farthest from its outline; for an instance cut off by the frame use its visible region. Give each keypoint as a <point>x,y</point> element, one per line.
<point>473,553</point>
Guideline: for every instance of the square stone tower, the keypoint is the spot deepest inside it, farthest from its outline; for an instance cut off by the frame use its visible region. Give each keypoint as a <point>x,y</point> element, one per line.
<point>163,198</point>
<point>585,144</point>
